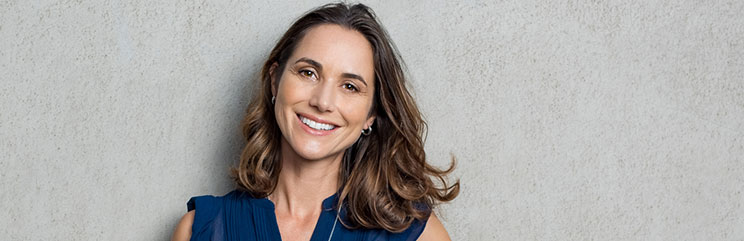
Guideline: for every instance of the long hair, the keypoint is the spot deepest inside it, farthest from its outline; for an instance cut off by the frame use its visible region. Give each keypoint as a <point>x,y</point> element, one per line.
<point>384,177</point>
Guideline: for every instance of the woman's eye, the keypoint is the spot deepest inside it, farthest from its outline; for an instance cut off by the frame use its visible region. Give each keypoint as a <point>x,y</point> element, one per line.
<point>307,73</point>
<point>350,87</point>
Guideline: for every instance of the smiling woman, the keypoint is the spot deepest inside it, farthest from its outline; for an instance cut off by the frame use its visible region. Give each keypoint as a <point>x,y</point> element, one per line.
<point>334,144</point>
<point>320,110</point>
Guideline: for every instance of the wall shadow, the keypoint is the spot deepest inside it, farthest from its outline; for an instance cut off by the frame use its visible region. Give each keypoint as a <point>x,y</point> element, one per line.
<point>227,155</point>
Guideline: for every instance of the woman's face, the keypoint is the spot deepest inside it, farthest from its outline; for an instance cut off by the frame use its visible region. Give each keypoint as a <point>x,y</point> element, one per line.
<point>325,93</point>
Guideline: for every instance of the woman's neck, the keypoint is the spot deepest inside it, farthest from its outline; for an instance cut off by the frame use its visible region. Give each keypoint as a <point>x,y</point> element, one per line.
<point>304,184</point>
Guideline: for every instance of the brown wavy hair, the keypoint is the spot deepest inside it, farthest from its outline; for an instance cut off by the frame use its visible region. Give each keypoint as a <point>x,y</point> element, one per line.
<point>384,178</point>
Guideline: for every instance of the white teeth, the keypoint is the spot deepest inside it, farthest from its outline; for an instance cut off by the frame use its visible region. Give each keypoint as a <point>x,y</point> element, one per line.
<point>316,125</point>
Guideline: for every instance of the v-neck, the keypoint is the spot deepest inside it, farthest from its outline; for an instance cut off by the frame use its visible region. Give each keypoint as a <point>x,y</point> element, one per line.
<point>239,216</point>
<point>322,229</point>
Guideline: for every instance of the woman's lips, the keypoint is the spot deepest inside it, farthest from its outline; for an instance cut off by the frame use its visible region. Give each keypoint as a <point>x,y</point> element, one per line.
<point>315,127</point>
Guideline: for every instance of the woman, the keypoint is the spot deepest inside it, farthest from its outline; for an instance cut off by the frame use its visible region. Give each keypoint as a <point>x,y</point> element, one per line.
<point>334,144</point>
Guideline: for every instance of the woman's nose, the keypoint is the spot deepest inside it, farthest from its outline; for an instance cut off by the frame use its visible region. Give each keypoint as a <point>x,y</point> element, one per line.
<point>323,97</point>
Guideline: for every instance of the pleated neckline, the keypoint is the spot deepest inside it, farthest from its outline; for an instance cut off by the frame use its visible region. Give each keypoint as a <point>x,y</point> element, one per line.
<point>322,228</point>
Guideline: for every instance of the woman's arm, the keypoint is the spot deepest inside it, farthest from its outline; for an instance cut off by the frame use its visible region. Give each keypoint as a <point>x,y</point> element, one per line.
<point>183,229</point>
<point>434,230</point>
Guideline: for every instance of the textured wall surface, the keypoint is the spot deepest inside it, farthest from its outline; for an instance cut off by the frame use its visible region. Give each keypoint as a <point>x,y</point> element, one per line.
<point>570,120</point>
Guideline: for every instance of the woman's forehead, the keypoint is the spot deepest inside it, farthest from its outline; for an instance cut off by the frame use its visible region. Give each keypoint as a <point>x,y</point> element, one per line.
<point>337,49</point>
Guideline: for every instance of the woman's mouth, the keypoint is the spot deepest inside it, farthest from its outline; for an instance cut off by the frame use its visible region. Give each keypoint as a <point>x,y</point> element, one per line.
<point>316,125</point>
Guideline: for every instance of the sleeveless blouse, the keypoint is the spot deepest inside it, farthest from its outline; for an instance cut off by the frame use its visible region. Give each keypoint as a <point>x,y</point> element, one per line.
<point>239,216</point>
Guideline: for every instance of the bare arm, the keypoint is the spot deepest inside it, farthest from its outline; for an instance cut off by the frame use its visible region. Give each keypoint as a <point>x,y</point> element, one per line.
<point>183,229</point>
<point>434,230</point>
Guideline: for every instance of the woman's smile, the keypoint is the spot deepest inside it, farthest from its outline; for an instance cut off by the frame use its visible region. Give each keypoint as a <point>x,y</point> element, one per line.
<point>314,126</point>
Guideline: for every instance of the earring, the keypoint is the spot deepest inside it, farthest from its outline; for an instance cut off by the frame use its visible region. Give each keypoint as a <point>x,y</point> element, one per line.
<point>273,99</point>
<point>367,131</point>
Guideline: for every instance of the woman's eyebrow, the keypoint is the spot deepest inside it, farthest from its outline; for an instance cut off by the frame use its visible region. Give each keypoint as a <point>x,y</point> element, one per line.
<point>319,67</point>
<point>314,63</point>
<point>354,76</point>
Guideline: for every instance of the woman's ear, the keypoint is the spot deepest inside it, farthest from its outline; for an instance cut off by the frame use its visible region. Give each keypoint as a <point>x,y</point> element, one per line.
<point>272,76</point>
<point>370,121</point>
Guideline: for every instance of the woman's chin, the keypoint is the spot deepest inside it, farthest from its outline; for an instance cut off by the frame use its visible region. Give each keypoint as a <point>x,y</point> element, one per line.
<point>318,153</point>
<point>314,155</point>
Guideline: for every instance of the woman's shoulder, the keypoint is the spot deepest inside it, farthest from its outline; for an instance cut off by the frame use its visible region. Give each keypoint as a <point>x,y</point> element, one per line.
<point>211,216</point>
<point>211,203</point>
<point>430,229</point>
<point>207,207</point>
<point>433,230</point>
<point>414,231</point>
<point>201,210</point>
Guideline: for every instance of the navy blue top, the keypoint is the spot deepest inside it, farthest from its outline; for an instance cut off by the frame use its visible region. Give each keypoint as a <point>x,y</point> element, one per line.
<point>239,216</point>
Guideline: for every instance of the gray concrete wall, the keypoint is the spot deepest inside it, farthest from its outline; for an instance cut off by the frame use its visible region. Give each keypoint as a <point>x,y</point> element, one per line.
<point>579,120</point>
